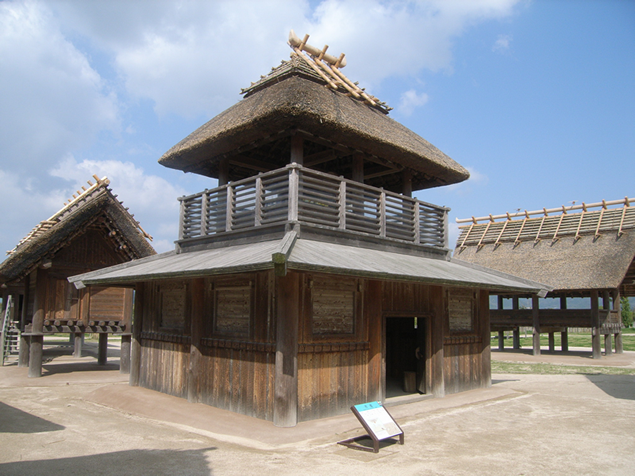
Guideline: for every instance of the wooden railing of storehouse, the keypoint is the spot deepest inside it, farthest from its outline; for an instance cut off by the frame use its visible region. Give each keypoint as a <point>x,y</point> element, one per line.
<point>299,195</point>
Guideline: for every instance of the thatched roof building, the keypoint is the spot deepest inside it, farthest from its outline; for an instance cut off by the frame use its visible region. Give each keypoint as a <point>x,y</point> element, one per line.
<point>310,279</point>
<point>92,231</point>
<point>580,251</point>
<point>572,249</point>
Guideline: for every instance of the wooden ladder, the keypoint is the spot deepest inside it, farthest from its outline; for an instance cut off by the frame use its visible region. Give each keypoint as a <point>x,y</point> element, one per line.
<point>9,335</point>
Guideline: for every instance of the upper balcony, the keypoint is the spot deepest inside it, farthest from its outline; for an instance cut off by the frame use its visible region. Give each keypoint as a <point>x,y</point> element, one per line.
<point>319,204</point>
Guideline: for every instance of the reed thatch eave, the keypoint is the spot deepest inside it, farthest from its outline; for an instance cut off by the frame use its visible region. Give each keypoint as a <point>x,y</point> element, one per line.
<point>298,104</point>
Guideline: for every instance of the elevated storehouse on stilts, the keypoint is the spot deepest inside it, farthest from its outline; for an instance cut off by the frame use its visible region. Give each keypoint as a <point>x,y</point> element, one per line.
<point>581,251</point>
<point>309,280</point>
<point>92,231</point>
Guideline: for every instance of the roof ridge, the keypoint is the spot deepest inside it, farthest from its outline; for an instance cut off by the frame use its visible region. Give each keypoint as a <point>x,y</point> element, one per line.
<point>70,206</point>
<point>319,66</point>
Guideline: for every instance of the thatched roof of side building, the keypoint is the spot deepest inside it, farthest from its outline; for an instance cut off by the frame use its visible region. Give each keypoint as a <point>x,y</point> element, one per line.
<point>95,206</point>
<point>570,251</point>
<point>294,99</point>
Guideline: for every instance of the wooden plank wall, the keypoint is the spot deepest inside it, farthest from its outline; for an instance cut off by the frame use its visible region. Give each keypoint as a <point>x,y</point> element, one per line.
<point>164,366</point>
<point>238,378</point>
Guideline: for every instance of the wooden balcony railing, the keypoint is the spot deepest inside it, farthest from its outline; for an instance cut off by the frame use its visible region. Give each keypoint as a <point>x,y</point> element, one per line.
<point>299,195</point>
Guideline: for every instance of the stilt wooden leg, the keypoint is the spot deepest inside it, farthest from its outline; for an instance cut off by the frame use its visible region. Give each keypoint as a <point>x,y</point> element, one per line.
<point>124,355</point>
<point>619,346</point>
<point>564,340</point>
<point>102,357</point>
<point>516,338</point>
<point>77,349</point>
<point>552,341</point>
<point>597,349</point>
<point>23,357</point>
<point>608,349</point>
<point>501,340</point>
<point>536,342</point>
<point>35,356</point>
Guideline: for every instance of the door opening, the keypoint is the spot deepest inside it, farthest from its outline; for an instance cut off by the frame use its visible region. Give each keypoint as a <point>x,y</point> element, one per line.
<point>405,356</point>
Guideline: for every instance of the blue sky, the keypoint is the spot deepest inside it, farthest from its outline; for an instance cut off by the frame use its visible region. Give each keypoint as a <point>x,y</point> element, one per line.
<point>535,98</point>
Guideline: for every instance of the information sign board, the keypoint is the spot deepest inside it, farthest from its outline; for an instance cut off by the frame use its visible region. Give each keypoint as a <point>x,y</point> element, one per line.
<point>379,424</point>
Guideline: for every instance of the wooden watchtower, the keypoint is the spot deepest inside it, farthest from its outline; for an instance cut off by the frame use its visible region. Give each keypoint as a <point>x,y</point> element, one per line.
<point>581,251</point>
<point>309,279</point>
<point>92,231</point>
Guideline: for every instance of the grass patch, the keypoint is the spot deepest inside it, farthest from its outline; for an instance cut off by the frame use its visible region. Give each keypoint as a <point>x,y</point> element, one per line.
<point>575,340</point>
<point>499,367</point>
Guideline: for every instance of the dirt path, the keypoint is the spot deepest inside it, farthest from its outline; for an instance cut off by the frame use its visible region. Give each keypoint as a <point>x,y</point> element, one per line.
<point>74,422</point>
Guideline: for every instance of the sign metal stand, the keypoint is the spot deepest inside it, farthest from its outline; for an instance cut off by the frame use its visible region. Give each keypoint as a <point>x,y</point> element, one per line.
<point>379,424</point>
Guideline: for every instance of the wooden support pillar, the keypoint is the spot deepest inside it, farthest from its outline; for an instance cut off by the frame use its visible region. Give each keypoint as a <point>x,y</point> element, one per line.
<point>564,335</point>
<point>516,338</point>
<point>372,312</point>
<point>196,357</point>
<point>438,307</point>
<point>606,305</point>
<point>223,172</point>
<point>37,338</point>
<point>501,340</point>
<point>358,167</point>
<point>608,346</point>
<point>595,325</point>
<point>617,307</point>
<point>486,354</point>
<point>535,314</point>
<point>407,182</point>
<point>124,356</point>
<point>25,349</point>
<point>102,355</point>
<point>36,347</point>
<point>137,327</point>
<point>23,356</point>
<point>297,149</point>
<point>78,340</point>
<point>285,406</point>
<point>552,342</point>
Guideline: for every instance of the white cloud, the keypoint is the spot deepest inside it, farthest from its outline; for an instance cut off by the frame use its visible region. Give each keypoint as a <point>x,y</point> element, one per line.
<point>410,100</point>
<point>502,44</point>
<point>52,99</point>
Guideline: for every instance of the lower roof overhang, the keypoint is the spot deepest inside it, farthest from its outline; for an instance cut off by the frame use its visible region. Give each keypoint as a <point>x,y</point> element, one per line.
<point>293,253</point>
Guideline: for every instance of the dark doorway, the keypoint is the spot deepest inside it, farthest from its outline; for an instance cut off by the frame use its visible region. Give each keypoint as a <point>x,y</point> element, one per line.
<point>405,356</point>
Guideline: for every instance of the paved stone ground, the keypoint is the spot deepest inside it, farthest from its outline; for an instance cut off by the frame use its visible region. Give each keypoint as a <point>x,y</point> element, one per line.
<point>81,419</point>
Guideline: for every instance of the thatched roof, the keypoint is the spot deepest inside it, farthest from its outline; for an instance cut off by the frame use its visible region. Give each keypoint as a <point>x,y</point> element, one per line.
<point>95,206</point>
<point>568,251</point>
<point>293,99</point>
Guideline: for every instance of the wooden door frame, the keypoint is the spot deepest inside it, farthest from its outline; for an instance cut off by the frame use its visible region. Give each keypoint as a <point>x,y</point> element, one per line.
<point>427,317</point>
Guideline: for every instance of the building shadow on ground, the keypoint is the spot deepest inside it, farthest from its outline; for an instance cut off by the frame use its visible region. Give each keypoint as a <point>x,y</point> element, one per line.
<point>155,462</point>
<point>14,420</point>
<point>617,386</point>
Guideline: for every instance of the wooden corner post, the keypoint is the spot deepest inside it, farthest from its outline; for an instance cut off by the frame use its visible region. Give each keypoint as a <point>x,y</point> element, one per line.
<point>285,407</point>
<point>595,324</point>
<point>137,327</point>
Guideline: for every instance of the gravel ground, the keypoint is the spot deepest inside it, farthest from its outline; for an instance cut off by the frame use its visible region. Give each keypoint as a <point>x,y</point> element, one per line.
<point>82,419</point>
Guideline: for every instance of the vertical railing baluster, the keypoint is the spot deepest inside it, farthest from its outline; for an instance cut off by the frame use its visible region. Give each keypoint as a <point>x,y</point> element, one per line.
<point>342,205</point>
<point>258,203</point>
<point>230,208</point>
<point>294,191</point>
<point>382,214</point>
<point>182,220</point>
<point>417,222</point>
<point>204,213</point>
<point>446,234</point>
